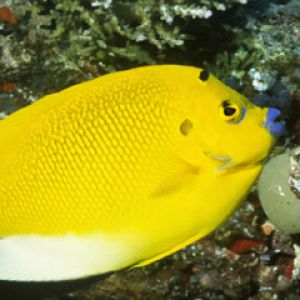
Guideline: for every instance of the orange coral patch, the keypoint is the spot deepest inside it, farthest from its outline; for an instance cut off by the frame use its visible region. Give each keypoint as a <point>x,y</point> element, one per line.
<point>7,16</point>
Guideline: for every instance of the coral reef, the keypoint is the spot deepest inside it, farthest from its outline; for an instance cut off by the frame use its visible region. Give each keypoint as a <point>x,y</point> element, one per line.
<point>278,38</point>
<point>53,44</point>
<point>48,45</point>
<point>267,49</point>
<point>273,93</point>
<point>294,179</point>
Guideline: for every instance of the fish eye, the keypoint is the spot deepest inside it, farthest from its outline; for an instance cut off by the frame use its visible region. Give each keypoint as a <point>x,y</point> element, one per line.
<point>230,112</point>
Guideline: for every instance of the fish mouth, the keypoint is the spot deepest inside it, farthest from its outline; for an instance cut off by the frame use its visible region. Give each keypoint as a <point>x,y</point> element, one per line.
<point>226,160</point>
<point>229,165</point>
<point>274,123</point>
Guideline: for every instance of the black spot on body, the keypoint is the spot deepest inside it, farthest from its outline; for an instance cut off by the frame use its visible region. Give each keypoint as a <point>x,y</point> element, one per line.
<point>204,75</point>
<point>186,126</point>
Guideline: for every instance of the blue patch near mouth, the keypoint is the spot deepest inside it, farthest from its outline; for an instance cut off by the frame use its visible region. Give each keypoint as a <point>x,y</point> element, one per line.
<point>275,126</point>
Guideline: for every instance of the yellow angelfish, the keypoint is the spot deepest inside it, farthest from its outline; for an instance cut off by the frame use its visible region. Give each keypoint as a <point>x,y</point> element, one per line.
<point>123,170</point>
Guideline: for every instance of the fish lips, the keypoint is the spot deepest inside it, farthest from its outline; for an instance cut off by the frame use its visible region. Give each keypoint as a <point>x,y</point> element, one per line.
<point>274,123</point>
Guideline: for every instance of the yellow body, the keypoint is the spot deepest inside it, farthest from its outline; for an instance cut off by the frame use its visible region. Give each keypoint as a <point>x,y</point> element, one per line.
<point>108,157</point>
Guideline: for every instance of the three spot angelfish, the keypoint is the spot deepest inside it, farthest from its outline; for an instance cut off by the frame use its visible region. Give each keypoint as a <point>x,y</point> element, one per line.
<point>123,170</point>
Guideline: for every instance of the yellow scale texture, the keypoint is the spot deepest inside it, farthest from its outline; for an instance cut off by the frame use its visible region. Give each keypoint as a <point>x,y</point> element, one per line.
<point>93,146</point>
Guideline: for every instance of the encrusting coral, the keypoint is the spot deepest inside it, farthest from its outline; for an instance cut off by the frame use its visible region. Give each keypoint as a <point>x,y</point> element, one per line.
<point>53,44</point>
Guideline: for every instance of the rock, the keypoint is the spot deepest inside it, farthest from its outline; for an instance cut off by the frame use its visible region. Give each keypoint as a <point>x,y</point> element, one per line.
<point>277,193</point>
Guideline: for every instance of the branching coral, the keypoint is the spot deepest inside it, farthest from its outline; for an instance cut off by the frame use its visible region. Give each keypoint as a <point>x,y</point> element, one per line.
<point>67,41</point>
<point>277,37</point>
<point>57,43</point>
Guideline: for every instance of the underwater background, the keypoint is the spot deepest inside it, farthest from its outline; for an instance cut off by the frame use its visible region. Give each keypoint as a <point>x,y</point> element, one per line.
<point>254,46</point>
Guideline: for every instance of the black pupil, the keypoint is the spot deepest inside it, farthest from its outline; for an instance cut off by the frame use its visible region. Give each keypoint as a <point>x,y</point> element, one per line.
<point>229,111</point>
<point>204,75</point>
